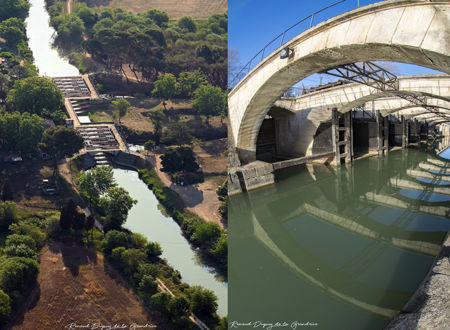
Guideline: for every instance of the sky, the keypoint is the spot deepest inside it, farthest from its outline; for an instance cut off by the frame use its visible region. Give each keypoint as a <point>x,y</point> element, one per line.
<point>254,23</point>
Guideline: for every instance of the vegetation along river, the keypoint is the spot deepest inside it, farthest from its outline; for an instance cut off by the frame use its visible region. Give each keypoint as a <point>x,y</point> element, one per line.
<point>145,217</point>
<point>343,248</point>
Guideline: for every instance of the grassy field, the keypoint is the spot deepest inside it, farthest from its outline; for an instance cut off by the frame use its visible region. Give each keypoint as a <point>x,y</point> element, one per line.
<point>200,9</point>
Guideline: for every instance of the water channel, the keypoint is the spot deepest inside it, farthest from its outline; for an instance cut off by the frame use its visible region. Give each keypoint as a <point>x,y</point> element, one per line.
<point>146,217</point>
<point>341,247</point>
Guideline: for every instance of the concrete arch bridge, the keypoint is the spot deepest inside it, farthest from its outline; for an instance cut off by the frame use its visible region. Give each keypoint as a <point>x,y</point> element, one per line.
<point>320,124</point>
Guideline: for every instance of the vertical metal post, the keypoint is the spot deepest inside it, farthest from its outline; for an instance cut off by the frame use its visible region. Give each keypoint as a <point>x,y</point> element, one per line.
<point>379,131</point>
<point>311,23</point>
<point>403,133</point>
<point>386,135</point>
<point>358,3</point>
<point>347,136</point>
<point>335,136</point>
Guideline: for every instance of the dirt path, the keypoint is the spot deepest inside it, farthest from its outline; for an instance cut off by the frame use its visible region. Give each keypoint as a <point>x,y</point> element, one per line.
<point>69,6</point>
<point>199,198</point>
<point>77,286</point>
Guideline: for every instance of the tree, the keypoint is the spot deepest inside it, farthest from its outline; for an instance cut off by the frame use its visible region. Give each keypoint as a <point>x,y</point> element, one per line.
<point>61,142</point>
<point>96,182</point>
<point>33,95</point>
<point>179,159</point>
<point>209,101</point>
<point>206,234</point>
<point>114,239</point>
<point>70,29</point>
<point>14,8</point>
<point>149,145</point>
<point>7,191</point>
<point>121,106</point>
<point>148,286</point>
<point>160,302</point>
<point>187,23</point>
<point>131,259</point>
<point>117,203</point>
<point>8,214</point>
<point>17,273</point>
<point>160,18</point>
<point>220,249</point>
<point>165,87</point>
<point>202,301</point>
<point>188,82</point>
<point>153,250</point>
<point>178,307</point>
<point>67,215</point>
<point>156,117</point>
<point>5,307</point>
<point>13,30</point>
<point>177,133</point>
<point>15,239</point>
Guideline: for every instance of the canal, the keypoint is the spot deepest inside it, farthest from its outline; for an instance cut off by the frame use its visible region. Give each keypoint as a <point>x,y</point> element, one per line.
<point>343,248</point>
<point>146,217</point>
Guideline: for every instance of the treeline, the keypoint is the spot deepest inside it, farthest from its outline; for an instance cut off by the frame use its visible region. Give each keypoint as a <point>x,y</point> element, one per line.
<point>25,234</point>
<point>208,236</point>
<point>146,42</point>
<point>15,49</point>
<point>133,256</point>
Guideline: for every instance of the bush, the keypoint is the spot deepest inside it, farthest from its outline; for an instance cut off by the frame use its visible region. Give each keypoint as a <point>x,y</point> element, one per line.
<point>202,301</point>
<point>20,250</point>
<point>17,273</point>
<point>206,234</point>
<point>160,302</point>
<point>153,250</point>
<point>113,239</point>
<point>148,287</point>
<point>5,307</point>
<point>15,239</point>
<point>8,214</point>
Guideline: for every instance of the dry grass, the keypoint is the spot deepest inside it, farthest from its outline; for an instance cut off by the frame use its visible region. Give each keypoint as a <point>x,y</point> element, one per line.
<point>76,285</point>
<point>200,9</point>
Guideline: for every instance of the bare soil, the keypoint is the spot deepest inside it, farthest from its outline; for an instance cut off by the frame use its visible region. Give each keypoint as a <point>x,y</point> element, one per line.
<point>201,198</point>
<point>200,9</point>
<point>77,286</point>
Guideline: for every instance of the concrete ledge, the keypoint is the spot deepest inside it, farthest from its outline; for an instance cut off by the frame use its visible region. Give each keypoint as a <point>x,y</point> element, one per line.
<point>429,308</point>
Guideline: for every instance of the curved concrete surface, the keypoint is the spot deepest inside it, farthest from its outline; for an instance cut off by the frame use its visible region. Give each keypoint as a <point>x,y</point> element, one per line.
<point>385,31</point>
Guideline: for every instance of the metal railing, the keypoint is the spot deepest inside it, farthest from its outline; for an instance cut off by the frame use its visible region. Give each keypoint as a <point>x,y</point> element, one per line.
<point>278,42</point>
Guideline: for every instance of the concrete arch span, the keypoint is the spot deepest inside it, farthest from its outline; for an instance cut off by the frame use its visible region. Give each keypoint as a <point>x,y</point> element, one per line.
<point>385,31</point>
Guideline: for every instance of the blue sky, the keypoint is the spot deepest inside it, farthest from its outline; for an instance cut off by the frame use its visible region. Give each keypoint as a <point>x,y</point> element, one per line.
<point>253,23</point>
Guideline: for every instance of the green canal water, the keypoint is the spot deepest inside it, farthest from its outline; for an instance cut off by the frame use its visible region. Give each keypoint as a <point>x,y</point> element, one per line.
<point>340,248</point>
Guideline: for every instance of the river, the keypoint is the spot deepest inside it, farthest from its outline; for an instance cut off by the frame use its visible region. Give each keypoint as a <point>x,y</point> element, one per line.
<point>345,248</point>
<point>145,217</point>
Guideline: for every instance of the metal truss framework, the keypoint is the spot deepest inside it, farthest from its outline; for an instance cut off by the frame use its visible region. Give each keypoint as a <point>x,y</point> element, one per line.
<point>375,76</point>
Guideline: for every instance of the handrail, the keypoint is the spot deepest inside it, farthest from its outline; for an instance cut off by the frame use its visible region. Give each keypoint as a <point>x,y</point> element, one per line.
<point>248,66</point>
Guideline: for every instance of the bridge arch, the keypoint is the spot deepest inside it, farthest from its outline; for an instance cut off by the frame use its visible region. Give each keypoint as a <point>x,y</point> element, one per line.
<point>386,31</point>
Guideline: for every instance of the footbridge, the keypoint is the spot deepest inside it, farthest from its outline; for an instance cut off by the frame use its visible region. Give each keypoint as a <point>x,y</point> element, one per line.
<point>322,122</point>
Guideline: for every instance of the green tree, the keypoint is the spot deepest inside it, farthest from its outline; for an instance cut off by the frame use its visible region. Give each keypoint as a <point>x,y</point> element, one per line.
<point>33,95</point>
<point>149,145</point>
<point>121,106</point>
<point>20,250</point>
<point>179,159</point>
<point>156,117</point>
<point>206,234</point>
<point>70,28</point>
<point>131,259</point>
<point>5,307</point>
<point>147,287</point>
<point>202,301</point>
<point>61,142</point>
<point>209,101</point>
<point>114,239</point>
<point>160,18</point>
<point>177,133</point>
<point>13,30</point>
<point>187,23</point>
<point>178,307</point>
<point>153,250</point>
<point>165,87</point>
<point>117,203</point>
<point>96,182</point>
<point>160,302</point>
<point>14,8</point>
<point>188,82</point>
<point>14,240</point>
<point>17,273</point>
<point>8,214</point>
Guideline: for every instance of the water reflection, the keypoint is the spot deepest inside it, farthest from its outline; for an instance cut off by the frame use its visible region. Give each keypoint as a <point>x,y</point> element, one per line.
<point>40,36</point>
<point>344,247</point>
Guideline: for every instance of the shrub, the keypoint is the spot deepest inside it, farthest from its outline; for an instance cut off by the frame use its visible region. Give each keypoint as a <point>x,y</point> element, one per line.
<point>206,234</point>
<point>15,239</point>
<point>202,301</point>
<point>153,250</point>
<point>5,307</point>
<point>113,239</point>
<point>17,273</point>
<point>148,287</point>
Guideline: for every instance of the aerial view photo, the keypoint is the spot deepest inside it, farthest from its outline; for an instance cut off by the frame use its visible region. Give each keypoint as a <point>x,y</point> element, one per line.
<point>339,164</point>
<point>113,164</point>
